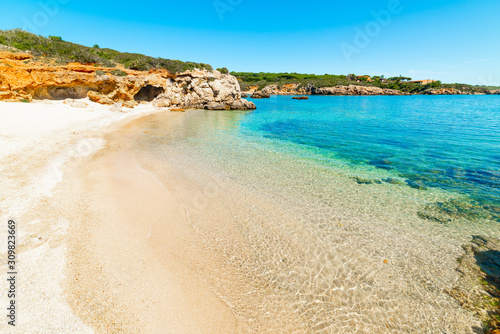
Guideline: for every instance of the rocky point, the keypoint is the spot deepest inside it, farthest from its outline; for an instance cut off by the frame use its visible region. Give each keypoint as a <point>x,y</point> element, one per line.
<point>22,79</point>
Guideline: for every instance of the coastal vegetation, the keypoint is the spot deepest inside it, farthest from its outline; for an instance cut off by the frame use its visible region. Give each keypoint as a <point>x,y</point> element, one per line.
<point>54,48</point>
<point>404,84</point>
<point>66,52</point>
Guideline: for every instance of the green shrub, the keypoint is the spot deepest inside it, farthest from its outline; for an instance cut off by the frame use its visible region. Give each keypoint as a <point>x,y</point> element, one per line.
<point>65,52</point>
<point>25,101</point>
<point>261,80</point>
<point>119,73</point>
<point>223,70</point>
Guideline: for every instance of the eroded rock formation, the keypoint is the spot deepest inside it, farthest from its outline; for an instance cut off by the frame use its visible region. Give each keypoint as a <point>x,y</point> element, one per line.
<point>23,79</point>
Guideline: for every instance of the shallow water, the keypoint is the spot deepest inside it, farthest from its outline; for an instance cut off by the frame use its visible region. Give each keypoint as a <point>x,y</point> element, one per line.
<point>336,214</point>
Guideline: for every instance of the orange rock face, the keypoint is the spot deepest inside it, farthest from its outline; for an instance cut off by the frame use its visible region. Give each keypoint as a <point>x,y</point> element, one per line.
<point>22,78</point>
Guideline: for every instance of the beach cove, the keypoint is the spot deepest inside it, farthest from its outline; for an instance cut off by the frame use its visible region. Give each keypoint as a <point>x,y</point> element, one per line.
<point>251,221</point>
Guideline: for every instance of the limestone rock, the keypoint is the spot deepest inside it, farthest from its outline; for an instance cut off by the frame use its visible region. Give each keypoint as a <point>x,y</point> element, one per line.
<point>197,88</point>
<point>248,104</point>
<point>260,95</point>
<point>235,105</point>
<point>130,104</point>
<point>270,90</point>
<point>162,103</point>
<point>99,98</point>
<point>217,106</point>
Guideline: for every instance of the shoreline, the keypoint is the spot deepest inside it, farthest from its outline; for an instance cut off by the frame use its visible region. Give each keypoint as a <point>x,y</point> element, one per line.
<point>130,241</point>
<point>124,245</point>
<point>142,234</point>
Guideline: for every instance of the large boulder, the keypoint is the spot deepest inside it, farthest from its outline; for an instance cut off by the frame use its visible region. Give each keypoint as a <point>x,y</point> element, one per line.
<point>217,106</point>
<point>270,90</point>
<point>241,105</point>
<point>99,98</point>
<point>248,104</point>
<point>225,89</point>
<point>162,103</point>
<point>260,95</point>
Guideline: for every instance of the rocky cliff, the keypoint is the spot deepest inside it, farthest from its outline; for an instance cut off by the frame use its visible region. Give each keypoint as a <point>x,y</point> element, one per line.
<point>453,91</point>
<point>22,79</point>
<point>296,89</point>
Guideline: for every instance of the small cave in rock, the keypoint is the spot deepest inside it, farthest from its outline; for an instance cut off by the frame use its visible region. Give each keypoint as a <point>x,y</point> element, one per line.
<point>148,93</point>
<point>62,92</point>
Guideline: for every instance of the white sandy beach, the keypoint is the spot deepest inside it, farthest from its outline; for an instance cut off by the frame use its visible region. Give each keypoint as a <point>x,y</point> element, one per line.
<point>36,140</point>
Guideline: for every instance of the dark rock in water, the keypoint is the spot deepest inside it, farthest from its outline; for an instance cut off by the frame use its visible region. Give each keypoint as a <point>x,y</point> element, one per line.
<point>433,218</point>
<point>393,181</point>
<point>457,209</point>
<point>416,184</point>
<point>244,96</point>
<point>456,173</point>
<point>365,181</point>
<point>381,163</point>
<point>260,95</point>
<point>300,98</point>
<point>478,288</point>
<point>483,177</point>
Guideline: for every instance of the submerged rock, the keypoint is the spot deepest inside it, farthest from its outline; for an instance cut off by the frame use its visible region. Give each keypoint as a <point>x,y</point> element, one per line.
<point>360,180</point>
<point>300,98</point>
<point>457,209</point>
<point>381,163</point>
<point>416,184</point>
<point>391,180</point>
<point>478,288</point>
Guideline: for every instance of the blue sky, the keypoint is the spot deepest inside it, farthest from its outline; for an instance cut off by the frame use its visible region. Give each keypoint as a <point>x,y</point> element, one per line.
<point>449,40</point>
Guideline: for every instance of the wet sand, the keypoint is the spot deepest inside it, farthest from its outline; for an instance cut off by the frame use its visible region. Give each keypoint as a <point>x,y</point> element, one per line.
<point>130,264</point>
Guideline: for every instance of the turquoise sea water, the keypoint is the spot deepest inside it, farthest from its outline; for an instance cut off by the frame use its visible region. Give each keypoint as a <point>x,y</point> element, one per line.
<point>335,214</point>
<point>448,142</point>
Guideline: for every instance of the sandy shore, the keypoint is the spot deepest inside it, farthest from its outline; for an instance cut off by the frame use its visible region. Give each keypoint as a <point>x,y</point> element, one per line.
<point>147,234</point>
<point>36,141</point>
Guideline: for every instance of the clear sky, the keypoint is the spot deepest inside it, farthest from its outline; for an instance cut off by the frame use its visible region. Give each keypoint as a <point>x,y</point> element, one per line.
<point>449,40</point>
